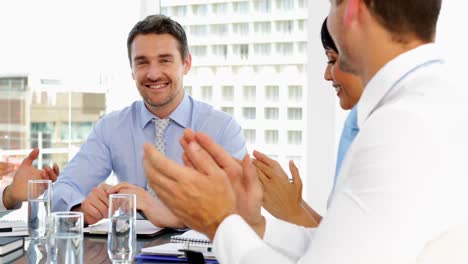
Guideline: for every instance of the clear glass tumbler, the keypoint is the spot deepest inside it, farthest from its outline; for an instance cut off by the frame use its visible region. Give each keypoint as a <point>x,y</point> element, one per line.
<point>121,239</point>
<point>66,238</point>
<point>39,194</point>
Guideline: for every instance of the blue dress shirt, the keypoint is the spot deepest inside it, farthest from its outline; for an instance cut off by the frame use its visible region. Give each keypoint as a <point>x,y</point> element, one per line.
<point>350,130</point>
<point>116,144</point>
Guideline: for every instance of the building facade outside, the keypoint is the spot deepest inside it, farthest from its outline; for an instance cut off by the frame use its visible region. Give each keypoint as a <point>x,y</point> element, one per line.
<point>40,111</point>
<point>249,60</point>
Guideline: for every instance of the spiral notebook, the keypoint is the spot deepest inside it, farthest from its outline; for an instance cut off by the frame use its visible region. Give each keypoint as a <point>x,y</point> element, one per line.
<point>10,228</point>
<point>191,236</point>
<point>190,240</point>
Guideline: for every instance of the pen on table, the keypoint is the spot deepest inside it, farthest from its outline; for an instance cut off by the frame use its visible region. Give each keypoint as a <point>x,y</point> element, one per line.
<point>198,247</point>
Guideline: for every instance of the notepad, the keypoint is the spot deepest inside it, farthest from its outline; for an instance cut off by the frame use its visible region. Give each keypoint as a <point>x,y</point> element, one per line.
<point>191,240</point>
<point>10,228</point>
<point>191,236</point>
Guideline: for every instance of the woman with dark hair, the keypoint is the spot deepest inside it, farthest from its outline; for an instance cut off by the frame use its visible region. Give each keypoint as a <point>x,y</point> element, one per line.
<point>282,197</point>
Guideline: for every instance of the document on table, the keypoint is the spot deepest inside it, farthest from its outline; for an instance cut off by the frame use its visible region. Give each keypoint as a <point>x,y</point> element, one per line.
<point>144,228</point>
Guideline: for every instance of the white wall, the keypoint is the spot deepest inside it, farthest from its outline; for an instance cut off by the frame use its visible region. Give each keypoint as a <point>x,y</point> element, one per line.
<point>321,116</point>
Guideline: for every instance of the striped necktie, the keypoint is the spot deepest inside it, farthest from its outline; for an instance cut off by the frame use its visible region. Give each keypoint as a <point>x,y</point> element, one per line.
<point>160,126</point>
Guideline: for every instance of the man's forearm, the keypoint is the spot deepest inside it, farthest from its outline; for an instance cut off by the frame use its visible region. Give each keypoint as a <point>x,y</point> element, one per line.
<point>8,201</point>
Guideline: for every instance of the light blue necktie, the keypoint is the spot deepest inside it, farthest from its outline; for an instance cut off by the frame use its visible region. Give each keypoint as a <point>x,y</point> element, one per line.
<point>350,131</point>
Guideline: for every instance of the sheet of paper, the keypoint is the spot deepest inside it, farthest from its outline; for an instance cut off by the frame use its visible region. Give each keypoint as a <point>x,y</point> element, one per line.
<point>143,227</point>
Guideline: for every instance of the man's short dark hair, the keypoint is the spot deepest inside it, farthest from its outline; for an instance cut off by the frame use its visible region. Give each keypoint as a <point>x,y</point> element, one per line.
<point>406,18</point>
<point>159,24</point>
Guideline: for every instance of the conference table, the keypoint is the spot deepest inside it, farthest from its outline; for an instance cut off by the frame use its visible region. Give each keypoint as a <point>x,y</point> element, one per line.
<point>94,249</point>
<point>94,246</point>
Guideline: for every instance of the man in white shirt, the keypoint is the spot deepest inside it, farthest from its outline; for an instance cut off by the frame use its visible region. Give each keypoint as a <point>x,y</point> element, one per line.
<point>13,195</point>
<point>401,185</point>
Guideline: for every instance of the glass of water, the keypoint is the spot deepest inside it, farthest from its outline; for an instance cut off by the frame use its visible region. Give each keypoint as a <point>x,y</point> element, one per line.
<point>39,194</point>
<point>66,238</point>
<point>121,240</point>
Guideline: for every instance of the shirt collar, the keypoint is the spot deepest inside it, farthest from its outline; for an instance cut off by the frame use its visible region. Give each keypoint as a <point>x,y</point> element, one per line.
<point>181,115</point>
<point>390,74</point>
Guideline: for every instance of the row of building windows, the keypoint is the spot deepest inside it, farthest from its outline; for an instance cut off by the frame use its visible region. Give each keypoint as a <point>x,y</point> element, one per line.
<point>79,130</point>
<point>270,113</point>
<point>249,93</point>
<point>241,71</point>
<point>238,7</point>
<point>244,50</point>
<point>245,28</point>
<point>294,137</point>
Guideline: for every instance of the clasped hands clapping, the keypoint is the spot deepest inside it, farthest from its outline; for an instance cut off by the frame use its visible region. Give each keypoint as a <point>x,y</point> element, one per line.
<point>240,187</point>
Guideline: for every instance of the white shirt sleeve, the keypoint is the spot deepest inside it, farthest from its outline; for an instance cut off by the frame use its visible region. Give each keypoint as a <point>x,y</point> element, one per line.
<point>383,210</point>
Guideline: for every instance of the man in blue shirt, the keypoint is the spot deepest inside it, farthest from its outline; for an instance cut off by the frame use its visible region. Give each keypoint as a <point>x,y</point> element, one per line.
<point>159,58</point>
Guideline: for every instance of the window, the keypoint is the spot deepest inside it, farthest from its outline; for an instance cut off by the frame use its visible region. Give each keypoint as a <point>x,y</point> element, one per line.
<point>199,30</point>
<point>42,127</point>
<point>285,27</point>
<point>295,93</point>
<point>219,8</point>
<point>271,136</point>
<point>79,130</point>
<point>301,24</point>
<point>249,113</point>
<point>199,51</point>
<point>241,51</point>
<point>220,51</point>
<point>263,49</point>
<point>188,90</point>
<point>228,93</point>
<point>302,48</point>
<point>272,93</point>
<point>302,3</point>
<point>228,109</point>
<point>240,7</point>
<point>179,11</point>
<point>271,113</point>
<point>199,10</point>
<point>249,93</point>
<point>165,10</point>
<point>262,6</point>
<point>219,29</point>
<point>262,27</point>
<point>207,93</point>
<point>294,137</point>
<point>285,5</point>
<point>294,113</point>
<point>240,28</point>
<point>250,136</point>
<point>13,84</point>
<point>284,48</point>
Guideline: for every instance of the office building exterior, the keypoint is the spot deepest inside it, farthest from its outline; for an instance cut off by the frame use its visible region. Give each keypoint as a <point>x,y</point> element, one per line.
<point>249,60</point>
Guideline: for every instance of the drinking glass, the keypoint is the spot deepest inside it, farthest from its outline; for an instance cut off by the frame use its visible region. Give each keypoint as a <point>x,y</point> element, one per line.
<point>121,239</point>
<point>39,194</point>
<point>66,238</point>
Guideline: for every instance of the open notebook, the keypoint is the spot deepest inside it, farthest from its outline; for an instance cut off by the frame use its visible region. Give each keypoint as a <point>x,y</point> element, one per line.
<point>144,228</point>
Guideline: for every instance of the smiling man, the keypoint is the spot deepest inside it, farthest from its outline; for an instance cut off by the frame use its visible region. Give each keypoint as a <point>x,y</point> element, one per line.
<point>159,58</point>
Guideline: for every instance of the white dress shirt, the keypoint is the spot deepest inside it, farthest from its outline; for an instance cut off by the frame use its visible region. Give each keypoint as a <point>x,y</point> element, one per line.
<point>401,184</point>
